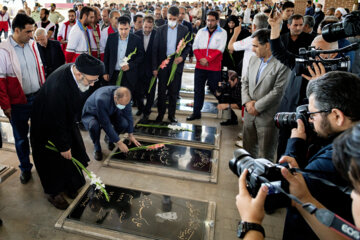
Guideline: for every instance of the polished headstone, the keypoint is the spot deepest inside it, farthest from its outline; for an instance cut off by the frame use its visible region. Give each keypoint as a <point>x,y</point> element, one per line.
<point>144,214</point>
<point>176,157</point>
<point>187,105</point>
<point>199,134</point>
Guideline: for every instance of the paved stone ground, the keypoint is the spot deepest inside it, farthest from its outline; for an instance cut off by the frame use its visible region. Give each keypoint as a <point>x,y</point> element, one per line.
<point>28,215</point>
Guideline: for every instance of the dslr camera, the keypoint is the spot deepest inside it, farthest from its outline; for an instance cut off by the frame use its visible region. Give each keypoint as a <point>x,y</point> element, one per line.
<point>262,171</point>
<point>287,120</point>
<point>224,88</point>
<point>308,57</point>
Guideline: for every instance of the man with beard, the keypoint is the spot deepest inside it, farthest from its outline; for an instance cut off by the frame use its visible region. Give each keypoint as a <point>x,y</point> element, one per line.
<point>209,45</point>
<point>65,29</point>
<point>53,119</point>
<point>50,51</point>
<point>79,37</point>
<point>45,23</point>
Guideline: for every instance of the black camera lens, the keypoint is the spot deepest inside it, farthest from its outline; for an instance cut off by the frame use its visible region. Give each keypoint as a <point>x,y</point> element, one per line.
<point>285,120</point>
<point>333,32</point>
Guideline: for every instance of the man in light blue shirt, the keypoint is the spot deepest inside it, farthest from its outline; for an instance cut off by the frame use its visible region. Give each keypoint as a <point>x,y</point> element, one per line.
<point>171,39</point>
<point>121,52</point>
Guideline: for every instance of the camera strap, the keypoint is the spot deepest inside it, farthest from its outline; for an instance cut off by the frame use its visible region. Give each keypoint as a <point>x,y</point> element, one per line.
<point>324,216</point>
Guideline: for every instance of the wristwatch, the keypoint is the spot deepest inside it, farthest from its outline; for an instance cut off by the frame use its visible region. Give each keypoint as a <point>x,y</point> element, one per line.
<point>244,227</point>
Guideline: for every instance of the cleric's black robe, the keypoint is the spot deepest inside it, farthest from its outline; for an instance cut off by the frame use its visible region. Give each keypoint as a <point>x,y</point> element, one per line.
<point>53,118</point>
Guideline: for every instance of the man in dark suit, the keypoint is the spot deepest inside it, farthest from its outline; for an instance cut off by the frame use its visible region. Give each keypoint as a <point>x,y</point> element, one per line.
<point>159,21</point>
<point>50,51</point>
<point>109,108</point>
<point>147,36</point>
<point>118,46</point>
<point>182,14</point>
<point>166,41</point>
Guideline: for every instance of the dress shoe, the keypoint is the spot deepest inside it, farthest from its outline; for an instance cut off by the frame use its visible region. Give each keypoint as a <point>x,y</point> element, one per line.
<point>138,113</point>
<point>58,201</point>
<point>98,155</point>
<point>172,119</point>
<point>159,118</point>
<point>193,117</point>
<point>145,118</point>
<point>25,177</point>
<point>229,122</point>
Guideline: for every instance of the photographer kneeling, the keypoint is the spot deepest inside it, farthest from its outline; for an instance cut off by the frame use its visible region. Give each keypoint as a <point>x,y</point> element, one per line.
<point>229,95</point>
<point>333,108</point>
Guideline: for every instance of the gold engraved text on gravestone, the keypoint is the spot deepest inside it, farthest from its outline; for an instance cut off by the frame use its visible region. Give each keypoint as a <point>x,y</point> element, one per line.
<point>140,220</point>
<point>193,224</point>
<point>86,200</point>
<point>204,159</point>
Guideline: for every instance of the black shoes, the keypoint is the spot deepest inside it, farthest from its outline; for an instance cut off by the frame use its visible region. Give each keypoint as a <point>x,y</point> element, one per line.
<point>58,201</point>
<point>229,122</point>
<point>71,195</point>
<point>159,118</point>
<point>25,177</point>
<point>145,118</point>
<point>172,119</point>
<point>98,155</point>
<point>138,113</point>
<point>193,117</point>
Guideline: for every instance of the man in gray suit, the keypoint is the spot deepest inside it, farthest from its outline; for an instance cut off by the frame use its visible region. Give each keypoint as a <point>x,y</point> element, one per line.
<point>262,89</point>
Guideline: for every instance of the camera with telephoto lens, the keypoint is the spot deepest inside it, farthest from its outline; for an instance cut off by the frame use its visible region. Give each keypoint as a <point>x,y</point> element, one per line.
<point>288,120</point>
<point>308,57</point>
<point>224,88</point>
<point>348,27</point>
<point>261,171</point>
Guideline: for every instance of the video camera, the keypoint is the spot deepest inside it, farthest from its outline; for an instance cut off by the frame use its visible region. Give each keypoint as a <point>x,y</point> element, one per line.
<point>308,57</point>
<point>348,27</point>
<point>261,171</point>
<point>288,119</point>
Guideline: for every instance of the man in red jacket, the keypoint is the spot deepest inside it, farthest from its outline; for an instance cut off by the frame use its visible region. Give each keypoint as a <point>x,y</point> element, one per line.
<point>4,22</point>
<point>21,76</point>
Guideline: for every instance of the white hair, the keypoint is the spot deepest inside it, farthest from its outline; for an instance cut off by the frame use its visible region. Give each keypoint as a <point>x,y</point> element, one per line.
<point>333,45</point>
<point>40,31</point>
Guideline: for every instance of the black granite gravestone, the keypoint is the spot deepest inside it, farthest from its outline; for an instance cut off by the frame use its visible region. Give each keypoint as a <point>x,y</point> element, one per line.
<point>198,134</point>
<point>175,157</point>
<point>143,214</point>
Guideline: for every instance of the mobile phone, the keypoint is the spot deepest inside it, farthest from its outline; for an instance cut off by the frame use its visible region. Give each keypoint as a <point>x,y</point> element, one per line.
<point>273,11</point>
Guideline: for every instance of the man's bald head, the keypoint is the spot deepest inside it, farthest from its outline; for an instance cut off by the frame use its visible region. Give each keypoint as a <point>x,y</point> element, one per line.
<point>321,44</point>
<point>122,95</point>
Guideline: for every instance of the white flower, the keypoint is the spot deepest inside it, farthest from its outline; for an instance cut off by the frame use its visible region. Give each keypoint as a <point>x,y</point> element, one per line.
<point>124,62</point>
<point>175,127</point>
<point>125,59</point>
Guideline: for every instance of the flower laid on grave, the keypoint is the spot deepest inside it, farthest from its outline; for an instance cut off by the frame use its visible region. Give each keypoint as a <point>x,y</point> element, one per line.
<point>190,104</point>
<point>123,63</point>
<point>162,66</point>
<point>152,147</point>
<point>96,181</point>
<point>170,126</point>
<point>182,44</point>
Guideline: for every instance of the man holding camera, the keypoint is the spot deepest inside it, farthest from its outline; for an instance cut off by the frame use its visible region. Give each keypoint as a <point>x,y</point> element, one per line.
<point>229,96</point>
<point>262,88</point>
<point>333,108</point>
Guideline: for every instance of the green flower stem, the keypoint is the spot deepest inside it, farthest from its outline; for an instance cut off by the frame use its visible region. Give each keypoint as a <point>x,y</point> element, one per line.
<point>118,81</point>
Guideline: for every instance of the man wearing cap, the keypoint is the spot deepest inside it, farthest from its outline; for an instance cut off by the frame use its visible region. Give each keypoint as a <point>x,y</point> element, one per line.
<point>109,108</point>
<point>36,13</point>
<point>56,18</point>
<point>53,119</point>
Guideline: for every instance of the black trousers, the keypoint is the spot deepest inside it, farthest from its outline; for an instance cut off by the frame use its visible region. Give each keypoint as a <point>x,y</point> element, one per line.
<point>142,90</point>
<point>125,82</point>
<point>172,91</point>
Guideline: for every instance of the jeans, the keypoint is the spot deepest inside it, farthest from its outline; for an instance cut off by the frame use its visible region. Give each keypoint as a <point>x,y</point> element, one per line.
<point>20,116</point>
<point>201,76</point>
<point>120,124</point>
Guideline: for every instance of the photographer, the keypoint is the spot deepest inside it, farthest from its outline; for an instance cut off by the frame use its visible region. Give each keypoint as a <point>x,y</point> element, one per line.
<point>229,95</point>
<point>333,100</point>
<point>295,93</point>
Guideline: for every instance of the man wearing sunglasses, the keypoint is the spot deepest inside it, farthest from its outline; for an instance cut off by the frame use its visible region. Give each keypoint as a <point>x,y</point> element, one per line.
<point>333,108</point>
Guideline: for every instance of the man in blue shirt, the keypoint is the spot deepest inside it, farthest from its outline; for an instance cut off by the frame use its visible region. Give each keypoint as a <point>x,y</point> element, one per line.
<point>109,108</point>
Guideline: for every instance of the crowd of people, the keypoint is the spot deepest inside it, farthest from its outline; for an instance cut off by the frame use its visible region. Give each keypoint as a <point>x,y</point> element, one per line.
<point>89,71</point>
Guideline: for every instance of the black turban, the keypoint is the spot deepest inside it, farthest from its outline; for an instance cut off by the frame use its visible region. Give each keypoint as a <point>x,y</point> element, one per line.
<point>89,65</point>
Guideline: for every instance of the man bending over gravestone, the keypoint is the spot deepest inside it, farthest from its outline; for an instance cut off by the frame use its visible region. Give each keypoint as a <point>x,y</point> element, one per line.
<point>109,108</point>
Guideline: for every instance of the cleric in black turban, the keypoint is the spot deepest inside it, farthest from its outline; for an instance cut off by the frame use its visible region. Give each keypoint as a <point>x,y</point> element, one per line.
<point>53,119</point>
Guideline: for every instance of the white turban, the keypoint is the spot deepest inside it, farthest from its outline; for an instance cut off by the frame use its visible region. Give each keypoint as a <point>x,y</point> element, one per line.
<point>342,11</point>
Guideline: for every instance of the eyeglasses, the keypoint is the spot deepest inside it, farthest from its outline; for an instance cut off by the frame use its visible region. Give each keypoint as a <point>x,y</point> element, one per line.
<point>311,114</point>
<point>89,81</point>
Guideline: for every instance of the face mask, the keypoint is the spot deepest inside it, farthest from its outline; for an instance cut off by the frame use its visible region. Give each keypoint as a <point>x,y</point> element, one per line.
<point>172,23</point>
<point>317,9</point>
<point>120,106</point>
